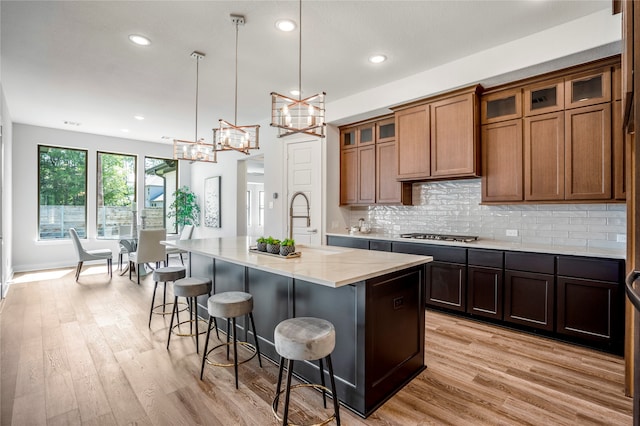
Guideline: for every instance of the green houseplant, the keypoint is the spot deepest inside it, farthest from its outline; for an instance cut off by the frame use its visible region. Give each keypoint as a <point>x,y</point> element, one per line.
<point>273,245</point>
<point>185,208</point>
<point>287,246</point>
<point>261,244</point>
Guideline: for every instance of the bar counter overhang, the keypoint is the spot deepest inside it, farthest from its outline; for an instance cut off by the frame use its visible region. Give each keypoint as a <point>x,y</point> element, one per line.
<point>374,299</point>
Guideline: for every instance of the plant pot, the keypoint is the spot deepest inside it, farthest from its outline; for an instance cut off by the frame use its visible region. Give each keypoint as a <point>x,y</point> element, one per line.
<point>262,247</point>
<point>287,250</point>
<point>273,248</point>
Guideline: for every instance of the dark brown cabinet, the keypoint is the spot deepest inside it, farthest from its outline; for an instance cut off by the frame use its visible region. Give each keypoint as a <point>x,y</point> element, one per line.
<point>590,303</point>
<point>439,137</point>
<point>529,290</point>
<point>485,283</point>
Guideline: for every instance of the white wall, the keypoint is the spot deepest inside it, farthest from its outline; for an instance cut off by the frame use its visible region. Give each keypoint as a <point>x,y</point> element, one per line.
<point>28,252</point>
<point>6,192</point>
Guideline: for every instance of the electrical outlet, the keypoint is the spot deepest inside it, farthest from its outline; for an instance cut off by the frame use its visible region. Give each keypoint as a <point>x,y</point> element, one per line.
<point>512,232</point>
<point>621,238</point>
<point>334,224</point>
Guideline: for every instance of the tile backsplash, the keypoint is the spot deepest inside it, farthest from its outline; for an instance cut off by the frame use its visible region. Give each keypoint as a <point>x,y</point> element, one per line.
<point>454,207</point>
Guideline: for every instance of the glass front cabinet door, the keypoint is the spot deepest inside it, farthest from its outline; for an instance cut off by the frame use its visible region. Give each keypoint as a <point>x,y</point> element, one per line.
<point>501,106</point>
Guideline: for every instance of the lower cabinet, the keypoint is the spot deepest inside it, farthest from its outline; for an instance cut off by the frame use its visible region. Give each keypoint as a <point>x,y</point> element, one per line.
<point>485,283</point>
<point>349,242</point>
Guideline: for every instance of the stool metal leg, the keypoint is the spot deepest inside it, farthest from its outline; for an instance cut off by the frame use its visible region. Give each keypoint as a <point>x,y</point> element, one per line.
<point>153,299</point>
<point>287,392</point>
<point>279,387</point>
<point>336,404</point>
<point>206,346</point>
<point>173,313</point>
<point>228,331</point>
<point>195,315</point>
<point>235,350</point>
<point>324,393</point>
<point>255,336</point>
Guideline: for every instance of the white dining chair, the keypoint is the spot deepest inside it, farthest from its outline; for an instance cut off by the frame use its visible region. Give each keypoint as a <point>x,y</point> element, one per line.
<point>85,255</point>
<point>186,234</point>
<point>149,250</point>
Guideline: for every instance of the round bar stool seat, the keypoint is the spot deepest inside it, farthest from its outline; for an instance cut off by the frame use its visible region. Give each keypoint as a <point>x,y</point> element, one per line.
<point>171,273</point>
<point>189,288</point>
<point>230,305</point>
<point>305,339</point>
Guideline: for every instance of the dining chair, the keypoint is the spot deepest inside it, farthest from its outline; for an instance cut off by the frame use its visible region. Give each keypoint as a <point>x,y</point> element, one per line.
<point>85,255</point>
<point>186,234</point>
<point>125,243</point>
<point>149,250</point>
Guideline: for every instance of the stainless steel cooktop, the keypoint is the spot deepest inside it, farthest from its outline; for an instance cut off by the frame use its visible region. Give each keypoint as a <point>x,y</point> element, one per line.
<point>439,237</point>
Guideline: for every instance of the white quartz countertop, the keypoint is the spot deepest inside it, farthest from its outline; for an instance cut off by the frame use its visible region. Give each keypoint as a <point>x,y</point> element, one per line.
<point>330,266</point>
<point>496,245</point>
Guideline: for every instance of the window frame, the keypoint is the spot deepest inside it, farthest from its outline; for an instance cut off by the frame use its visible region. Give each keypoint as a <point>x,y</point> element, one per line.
<point>135,186</point>
<point>174,230</point>
<point>86,187</point>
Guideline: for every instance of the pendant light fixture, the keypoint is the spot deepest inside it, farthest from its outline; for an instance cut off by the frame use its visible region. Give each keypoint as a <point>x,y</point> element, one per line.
<point>197,150</point>
<point>231,137</point>
<point>291,116</point>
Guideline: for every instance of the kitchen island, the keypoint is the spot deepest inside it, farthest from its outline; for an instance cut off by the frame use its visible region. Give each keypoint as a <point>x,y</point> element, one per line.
<point>374,300</point>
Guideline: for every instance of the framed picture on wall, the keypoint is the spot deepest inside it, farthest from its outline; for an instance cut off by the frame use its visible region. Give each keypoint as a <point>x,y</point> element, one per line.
<point>212,202</point>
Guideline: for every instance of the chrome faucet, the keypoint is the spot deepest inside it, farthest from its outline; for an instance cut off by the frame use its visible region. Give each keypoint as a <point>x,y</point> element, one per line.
<point>291,216</point>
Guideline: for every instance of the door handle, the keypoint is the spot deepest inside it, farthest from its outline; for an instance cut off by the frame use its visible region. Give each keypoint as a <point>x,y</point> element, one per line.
<point>312,231</point>
<point>631,292</point>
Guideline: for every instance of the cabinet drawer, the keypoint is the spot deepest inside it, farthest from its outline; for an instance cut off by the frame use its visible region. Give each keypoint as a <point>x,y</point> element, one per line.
<point>590,268</point>
<point>531,262</point>
<point>380,245</point>
<point>489,258</point>
<point>439,253</point>
<point>348,242</point>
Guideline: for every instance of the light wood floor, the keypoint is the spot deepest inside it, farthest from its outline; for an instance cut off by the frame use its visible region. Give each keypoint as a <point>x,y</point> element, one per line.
<point>81,353</point>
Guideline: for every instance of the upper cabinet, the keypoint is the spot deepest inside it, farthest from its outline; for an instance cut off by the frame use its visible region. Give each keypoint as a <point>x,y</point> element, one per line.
<point>438,138</point>
<point>562,149</point>
<point>368,165</point>
<point>501,106</point>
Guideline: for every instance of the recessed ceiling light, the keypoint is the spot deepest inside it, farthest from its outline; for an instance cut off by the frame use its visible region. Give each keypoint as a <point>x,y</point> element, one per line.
<point>138,117</point>
<point>125,130</point>
<point>295,92</point>
<point>139,40</point>
<point>285,25</point>
<point>376,59</point>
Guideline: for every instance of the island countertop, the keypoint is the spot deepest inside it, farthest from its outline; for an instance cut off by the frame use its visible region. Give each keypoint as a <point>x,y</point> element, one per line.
<point>325,265</point>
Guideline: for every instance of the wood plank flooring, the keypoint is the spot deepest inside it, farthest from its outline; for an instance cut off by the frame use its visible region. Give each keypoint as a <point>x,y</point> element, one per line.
<point>82,354</point>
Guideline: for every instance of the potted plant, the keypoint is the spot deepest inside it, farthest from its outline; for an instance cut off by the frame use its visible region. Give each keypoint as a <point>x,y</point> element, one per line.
<point>287,246</point>
<point>185,208</point>
<point>273,245</point>
<point>261,244</point>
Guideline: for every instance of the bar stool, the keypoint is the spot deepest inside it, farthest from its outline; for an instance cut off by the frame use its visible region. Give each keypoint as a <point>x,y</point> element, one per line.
<point>190,288</point>
<point>305,339</point>
<point>230,305</point>
<point>172,273</point>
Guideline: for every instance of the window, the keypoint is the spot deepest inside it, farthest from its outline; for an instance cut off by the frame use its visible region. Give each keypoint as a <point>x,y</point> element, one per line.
<point>261,208</point>
<point>115,193</point>
<point>160,183</point>
<point>249,208</point>
<point>62,192</point>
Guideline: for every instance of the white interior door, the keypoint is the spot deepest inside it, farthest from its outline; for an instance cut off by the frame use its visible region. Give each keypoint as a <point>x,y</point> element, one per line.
<point>304,169</point>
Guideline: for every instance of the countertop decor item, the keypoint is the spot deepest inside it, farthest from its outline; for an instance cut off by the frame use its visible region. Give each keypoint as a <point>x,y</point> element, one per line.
<point>273,245</point>
<point>261,244</point>
<point>231,137</point>
<point>198,149</point>
<point>291,116</point>
<point>287,246</point>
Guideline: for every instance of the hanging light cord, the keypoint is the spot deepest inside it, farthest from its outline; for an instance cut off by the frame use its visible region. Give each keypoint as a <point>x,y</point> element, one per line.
<point>197,75</point>
<point>300,52</point>
<point>235,114</point>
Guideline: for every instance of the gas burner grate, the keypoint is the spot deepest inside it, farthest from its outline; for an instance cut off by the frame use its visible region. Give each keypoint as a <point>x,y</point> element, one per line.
<point>440,237</point>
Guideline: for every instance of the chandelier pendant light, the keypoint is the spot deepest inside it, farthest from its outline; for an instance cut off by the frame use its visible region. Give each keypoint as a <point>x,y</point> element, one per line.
<point>291,116</point>
<point>231,137</point>
<point>198,149</point>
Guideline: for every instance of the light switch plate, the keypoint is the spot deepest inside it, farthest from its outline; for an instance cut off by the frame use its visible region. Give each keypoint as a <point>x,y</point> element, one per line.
<point>512,232</point>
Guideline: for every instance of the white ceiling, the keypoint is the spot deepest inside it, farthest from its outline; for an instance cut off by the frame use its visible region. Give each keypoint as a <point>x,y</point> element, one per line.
<point>72,61</point>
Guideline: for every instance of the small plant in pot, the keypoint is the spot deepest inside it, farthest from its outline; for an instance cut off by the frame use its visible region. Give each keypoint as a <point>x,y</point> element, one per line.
<point>261,244</point>
<point>273,245</point>
<point>287,246</point>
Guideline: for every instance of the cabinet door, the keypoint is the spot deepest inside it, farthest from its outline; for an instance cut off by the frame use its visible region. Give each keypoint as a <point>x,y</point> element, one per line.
<point>589,309</point>
<point>446,285</point>
<point>413,145</point>
<point>501,106</point>
<point>386,130</point>
<point>367,175</point>
<point>544,157</point>
<point>484,292</point>
<point>388,189</point>
<point>590,88</point>
<point>502,161</point>
<point>359,243</point>
<point>619,152</point>
<point>544,97</point>
<point>588,153</point>
<point>529,299</point>
<point>454,128</point>
<point>367,134</point>
<point>349,176</point>
<point>348,138</point>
